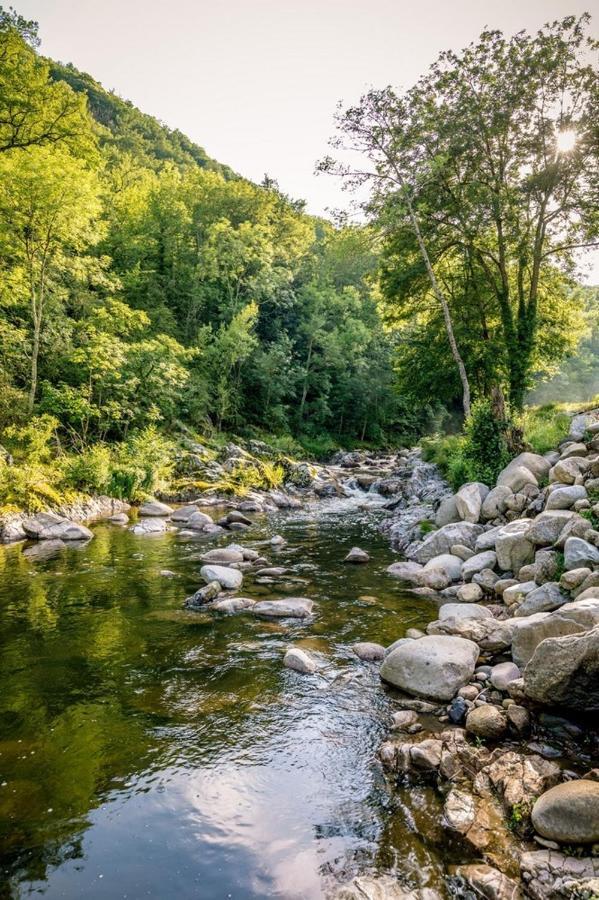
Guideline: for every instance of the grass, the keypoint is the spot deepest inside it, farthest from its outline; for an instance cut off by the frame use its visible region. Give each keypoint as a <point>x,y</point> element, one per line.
<point>545,426</point>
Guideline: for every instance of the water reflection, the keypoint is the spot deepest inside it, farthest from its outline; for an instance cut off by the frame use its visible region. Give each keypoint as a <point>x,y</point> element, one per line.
<point>149,751</point>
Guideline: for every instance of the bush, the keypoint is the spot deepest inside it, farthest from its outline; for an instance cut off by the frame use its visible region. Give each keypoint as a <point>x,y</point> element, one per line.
<point>90,470</point>
<point>447,452</point>
<point>486,450</point>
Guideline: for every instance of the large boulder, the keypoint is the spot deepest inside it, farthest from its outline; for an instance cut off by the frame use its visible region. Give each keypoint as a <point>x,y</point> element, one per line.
<point>547,527</point>
<point>565,497</point>
<point>516,477</point>
<point>564,671</point>
<point>199,521</point>
<point>464,611</point>
<point>569,813</point>
<point>469,500</point>
<point>512,546</point>
<point>566,471</point>
<point>485,560</point>
<point>538,465</point>
<point>442,541</point>
<point>571,618</point>
<point>289,608</point>
<point>544,598</point>
<point>149,525</point>
<point>495,503</point>
<point>444,568</point>
<point>433,666</point>
<point>579,553</point>
<point>447,512</point>
<point>229,579</point>
<point>486,721</point>
<point>49,526</point>
<point>410,572</point>
<point>155,508</point>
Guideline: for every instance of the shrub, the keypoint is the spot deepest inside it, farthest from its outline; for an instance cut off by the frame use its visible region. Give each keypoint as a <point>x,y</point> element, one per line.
<point>486,449</point>
<point>90,470</point>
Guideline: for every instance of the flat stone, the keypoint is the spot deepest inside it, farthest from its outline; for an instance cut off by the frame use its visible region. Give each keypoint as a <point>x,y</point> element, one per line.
<point>289,608</point>
<point>232,605</point>
<point>459,811</point>
<point>464,611</point>
<point>222,555</point>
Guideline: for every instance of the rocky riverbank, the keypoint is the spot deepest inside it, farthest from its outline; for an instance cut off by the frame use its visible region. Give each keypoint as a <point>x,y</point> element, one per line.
<point>500,696</point>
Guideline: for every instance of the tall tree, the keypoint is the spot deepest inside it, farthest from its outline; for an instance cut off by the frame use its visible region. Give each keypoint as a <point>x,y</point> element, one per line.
<point>49,201</point>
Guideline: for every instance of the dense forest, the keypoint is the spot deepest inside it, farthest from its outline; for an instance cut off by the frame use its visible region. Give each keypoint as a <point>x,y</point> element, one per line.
<point>145,286</point>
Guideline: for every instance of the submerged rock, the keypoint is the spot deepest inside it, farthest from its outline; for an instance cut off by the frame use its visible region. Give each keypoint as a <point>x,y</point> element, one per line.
<point>155,508</point>
<point>356,555</point>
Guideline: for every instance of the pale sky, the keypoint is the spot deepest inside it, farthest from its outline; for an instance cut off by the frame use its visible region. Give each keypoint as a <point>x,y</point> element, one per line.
<point>255,82</point>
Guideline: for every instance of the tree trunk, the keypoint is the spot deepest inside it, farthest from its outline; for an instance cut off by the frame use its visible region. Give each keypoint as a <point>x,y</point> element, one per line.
<point>455,352</point>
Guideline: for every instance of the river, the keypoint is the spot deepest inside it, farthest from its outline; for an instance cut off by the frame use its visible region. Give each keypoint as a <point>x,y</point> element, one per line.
<point>150,751</point>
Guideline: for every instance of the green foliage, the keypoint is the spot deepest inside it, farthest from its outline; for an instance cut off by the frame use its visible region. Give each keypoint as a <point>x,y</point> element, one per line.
<point>447,452</point>
<point>544,427</point>
<point>485,451</point>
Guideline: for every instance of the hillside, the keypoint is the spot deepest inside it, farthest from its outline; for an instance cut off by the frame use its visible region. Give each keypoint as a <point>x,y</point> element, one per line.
<point>130,130</point>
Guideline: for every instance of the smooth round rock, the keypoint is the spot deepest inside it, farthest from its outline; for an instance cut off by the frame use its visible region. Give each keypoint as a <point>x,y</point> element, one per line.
<point>369,651</point>
<point>486,722</point>
<point>299,661</point>
<point>503,673</point>
<point>569,813</point>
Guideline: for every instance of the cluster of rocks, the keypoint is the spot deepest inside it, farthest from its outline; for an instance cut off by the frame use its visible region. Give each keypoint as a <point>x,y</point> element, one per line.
<point>61,526</point>
<point>515,567</point>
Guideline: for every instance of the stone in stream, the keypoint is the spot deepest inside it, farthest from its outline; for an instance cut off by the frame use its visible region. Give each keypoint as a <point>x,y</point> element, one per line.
<point>183,513</point>
<point>44,550</point>
<point>149,525</point>
<point>464,611</point>
<point>357,555</point>
<point>502,674</point>
<point>290,607</point>
<point>410,572</point>
<point>203,596</point>
<point>569,813</point>
<point>229,579</point>
<point>237,518</point>
<point>119,519</point>
<point>199,521</point>
<point>433,666</point>
<point>369,651</point>
<point>469,593</point>
<point>404,719</point>
<point>222,555</point>
<point>52,527</point>
<point>299,661</point>
<point>273,571</point>
<point>155,508</point>
<point>232,605</point>
<point>487,882</point>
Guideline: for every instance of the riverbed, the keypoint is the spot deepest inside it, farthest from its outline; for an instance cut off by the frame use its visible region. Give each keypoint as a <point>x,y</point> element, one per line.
<point>151,751</point>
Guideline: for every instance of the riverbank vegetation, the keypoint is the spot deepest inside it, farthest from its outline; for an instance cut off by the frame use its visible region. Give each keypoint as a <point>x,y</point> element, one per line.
<point>148,291</point>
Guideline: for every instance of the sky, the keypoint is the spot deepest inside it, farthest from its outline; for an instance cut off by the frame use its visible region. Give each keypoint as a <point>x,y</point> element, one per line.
<point>256,82</point>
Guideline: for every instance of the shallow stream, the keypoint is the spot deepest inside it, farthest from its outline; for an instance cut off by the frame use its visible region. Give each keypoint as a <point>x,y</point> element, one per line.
<point>147,751</point>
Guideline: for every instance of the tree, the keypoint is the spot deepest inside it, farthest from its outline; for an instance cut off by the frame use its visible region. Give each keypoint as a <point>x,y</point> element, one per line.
<point>379,130</point>
<point>49,203</point>
<point>34,110</point>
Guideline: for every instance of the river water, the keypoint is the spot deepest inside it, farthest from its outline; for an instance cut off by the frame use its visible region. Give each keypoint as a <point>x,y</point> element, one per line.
<point>147,751</point>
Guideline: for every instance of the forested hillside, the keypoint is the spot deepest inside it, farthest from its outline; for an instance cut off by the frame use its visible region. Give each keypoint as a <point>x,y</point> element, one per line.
<point>145,286</point>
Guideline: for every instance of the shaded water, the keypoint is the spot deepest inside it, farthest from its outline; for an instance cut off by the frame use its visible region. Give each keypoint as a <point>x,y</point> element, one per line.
<point>146,751</point>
